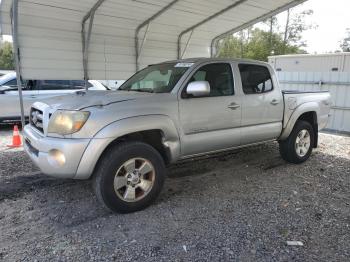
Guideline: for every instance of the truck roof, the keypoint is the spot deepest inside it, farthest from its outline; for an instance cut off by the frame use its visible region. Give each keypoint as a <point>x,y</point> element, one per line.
<point>206,59</point>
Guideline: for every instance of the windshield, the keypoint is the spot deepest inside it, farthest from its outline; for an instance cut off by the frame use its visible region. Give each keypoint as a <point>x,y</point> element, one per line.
<point>156,78</point>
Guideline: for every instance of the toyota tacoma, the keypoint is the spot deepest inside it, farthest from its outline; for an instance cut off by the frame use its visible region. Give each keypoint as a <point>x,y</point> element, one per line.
<point>124,139</point>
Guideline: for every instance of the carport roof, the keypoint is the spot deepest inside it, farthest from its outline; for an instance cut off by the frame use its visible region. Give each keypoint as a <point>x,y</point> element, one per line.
<point>52,44</point>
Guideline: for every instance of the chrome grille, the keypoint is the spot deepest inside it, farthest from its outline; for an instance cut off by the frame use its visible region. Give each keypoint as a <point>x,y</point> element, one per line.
<point>36,119</point>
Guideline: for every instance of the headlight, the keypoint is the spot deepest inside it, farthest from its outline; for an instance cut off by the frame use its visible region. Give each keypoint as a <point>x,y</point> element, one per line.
<point>67,122</point>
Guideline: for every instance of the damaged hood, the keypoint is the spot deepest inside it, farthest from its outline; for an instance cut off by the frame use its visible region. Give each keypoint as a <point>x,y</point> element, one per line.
<point>81,99</point>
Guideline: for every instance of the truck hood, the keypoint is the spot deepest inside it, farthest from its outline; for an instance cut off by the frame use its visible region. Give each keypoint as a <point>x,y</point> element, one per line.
<point>81,99</point>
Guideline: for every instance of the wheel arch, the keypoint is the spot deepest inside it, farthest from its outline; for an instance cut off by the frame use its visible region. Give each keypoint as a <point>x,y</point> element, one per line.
<point>307,112</point>
<point>311,117</point>
<point>157,130</point>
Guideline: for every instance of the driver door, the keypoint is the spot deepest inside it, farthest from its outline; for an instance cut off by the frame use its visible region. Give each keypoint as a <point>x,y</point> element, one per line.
<point>211,122</point>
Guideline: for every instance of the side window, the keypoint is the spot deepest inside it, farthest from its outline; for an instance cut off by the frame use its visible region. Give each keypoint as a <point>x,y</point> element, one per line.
<point>199,76</point>
<point>31,85</point>
<point>219,76</point>
<point>55,84</point>
<point>79,84</point>
<point>12,82</point>
<point>256,79</point>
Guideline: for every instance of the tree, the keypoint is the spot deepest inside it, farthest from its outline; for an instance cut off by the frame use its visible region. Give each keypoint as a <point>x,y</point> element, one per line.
<point>286,29</point>
<point>295,26</point>
<point>231,47</point>
<point>345,43</point>
<point>272,23</point>
<point>6,57</point>
<point>257,47</point>
<point>256,43</point>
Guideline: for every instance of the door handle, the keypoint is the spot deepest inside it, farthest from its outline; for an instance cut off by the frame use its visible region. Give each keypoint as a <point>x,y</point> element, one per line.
<point>274,102</point>
<point>233,106</point>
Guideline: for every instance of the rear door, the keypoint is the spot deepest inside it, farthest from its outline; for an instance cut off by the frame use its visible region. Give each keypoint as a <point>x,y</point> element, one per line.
<point>210,123</point>
<point>262,104</point>
<point>9,100</point>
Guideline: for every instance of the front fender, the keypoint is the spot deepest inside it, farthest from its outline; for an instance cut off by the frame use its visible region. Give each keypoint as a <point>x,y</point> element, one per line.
<point>298,111</point>
<point>123,127</point>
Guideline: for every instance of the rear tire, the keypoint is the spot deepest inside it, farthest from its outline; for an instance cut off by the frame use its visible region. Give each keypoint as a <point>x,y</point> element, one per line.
<point>297,148</point>
<point>129,177</point>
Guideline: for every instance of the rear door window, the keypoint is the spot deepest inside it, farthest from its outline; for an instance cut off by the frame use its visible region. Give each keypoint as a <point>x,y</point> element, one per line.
<point>12,82</point>
<point>256,79</point>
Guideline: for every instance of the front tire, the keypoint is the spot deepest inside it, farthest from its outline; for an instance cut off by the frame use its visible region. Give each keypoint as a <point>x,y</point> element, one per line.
<point>129,177</point>
<point>297,148</point>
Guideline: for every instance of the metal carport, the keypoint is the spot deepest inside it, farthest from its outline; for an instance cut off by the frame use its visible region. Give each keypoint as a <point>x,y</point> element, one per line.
<point>111,39</point>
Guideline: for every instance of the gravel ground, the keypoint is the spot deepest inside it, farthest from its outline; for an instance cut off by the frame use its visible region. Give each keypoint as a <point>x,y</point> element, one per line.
<point>244,205</point>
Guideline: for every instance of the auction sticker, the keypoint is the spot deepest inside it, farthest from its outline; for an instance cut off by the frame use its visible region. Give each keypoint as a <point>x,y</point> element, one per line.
<point>184,64</point>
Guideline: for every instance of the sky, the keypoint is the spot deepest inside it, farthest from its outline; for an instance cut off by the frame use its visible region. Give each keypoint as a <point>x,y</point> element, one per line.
<point>332,18</point>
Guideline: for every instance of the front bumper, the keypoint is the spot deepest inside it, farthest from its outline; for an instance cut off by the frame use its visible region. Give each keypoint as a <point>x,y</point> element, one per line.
<point>58,157</point>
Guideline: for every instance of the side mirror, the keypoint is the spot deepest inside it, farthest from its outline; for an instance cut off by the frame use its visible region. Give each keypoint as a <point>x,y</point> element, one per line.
<point>198,88</point>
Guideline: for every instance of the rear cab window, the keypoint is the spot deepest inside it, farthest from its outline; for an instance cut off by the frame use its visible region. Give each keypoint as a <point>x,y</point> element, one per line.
<point>256,79</point>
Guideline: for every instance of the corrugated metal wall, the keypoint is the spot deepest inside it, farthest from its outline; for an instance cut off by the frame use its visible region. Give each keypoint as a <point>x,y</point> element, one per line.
<point>337,83</point>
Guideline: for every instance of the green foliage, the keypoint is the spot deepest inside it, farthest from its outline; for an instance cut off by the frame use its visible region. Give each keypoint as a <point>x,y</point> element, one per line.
<point>258,44</point>
<point>230,47</point>
<point>6,56</point>
<point>258,47</point>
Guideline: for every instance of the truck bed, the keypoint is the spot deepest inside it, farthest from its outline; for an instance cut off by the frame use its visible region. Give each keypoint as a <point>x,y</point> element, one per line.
<point>301,92</point>
<point>308,101</point>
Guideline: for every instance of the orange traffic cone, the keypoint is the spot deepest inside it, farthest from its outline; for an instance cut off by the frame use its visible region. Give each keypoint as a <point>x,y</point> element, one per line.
<point>16,138</point>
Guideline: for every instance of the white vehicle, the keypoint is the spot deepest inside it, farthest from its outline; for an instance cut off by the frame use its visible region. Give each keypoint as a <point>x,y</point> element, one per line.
<point>112,84</point>
<point>8,79</point>
<point>4,72</point>
<point>35,90</point>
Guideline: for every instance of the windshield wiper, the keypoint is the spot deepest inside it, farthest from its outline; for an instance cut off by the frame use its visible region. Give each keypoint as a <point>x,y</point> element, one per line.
<point>147,90</point>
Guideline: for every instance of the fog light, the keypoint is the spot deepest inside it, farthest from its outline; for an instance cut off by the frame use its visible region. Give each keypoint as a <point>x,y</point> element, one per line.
<point>56,158</point>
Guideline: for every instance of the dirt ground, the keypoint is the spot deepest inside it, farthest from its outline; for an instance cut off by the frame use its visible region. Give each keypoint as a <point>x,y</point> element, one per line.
<point>243,205</point>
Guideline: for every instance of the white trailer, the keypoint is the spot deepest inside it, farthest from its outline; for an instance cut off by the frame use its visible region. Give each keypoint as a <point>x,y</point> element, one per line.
<point>323,72</point>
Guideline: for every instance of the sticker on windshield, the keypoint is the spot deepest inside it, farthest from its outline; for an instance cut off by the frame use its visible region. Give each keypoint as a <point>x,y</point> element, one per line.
<point>184,64</point>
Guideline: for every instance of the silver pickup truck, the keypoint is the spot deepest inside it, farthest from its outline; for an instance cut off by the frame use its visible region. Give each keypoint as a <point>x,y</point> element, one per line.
<point>165,113</point>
